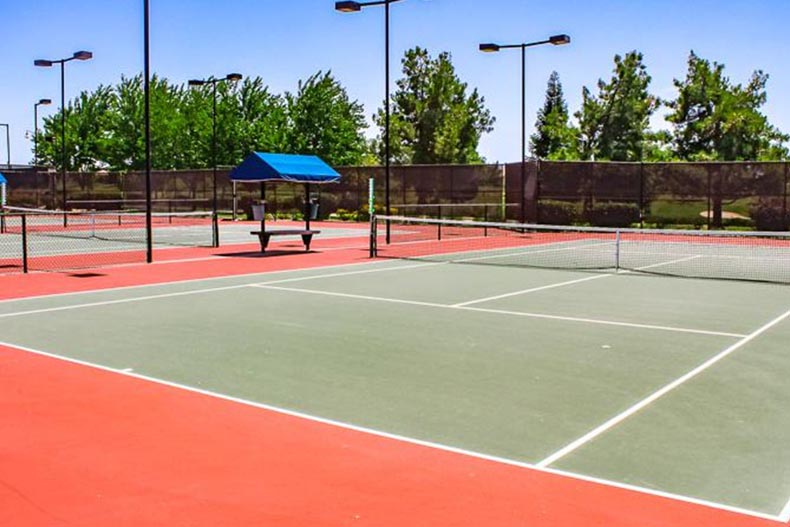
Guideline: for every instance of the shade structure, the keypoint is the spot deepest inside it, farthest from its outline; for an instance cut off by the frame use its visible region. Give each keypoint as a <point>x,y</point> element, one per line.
<point>291,168</point>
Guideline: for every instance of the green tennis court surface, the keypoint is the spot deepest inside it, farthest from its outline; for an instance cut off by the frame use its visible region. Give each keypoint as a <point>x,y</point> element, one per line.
<point>669,385</point>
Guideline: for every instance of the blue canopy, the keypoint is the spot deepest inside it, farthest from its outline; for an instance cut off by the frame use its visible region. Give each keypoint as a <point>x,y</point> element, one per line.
<point>3,180</point>
<point>260,166</point>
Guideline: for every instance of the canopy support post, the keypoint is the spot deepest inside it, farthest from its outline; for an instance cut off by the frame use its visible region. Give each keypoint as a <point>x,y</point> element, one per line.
<point>263,206</point>
<point>307,206</point>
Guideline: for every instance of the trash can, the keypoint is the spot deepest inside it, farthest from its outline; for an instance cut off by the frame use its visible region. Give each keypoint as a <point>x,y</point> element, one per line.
<point>258,211</point>
<point>314,209</point>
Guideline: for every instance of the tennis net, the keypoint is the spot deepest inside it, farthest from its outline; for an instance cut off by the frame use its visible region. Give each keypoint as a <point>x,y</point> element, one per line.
<point>734,255</point>
<point>168,228</point>
<point>34,239</point>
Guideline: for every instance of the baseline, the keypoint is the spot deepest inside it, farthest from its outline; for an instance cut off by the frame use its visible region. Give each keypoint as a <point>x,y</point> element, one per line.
<point>410,440</point>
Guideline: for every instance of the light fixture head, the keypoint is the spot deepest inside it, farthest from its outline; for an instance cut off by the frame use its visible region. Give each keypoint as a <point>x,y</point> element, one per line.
<point>233,77</point>
<point>489,48</point>
<point>44,101</point>
<point>196,82</point>
<point>42,63</point>
<point>560,40</point>
<point>348,7</point>
<point>83,55</point>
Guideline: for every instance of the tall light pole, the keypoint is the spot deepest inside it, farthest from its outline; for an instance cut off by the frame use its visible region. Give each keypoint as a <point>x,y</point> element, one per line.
<point>41,102</point>
<point>45,63</point>
<point>556,40</point>
<point>149,231</point>
<point>7,143</point>
<point>353,7</point>
<point>230,77</point>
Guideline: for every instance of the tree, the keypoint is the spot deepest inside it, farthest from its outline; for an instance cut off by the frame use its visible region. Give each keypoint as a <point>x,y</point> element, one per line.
<point>554,138</point>
<point>434,118</point>
<point>614,124</point>
<point>87,118</point>
<point>716,120</point>
<point>323,121</point>
<point>262,118</point>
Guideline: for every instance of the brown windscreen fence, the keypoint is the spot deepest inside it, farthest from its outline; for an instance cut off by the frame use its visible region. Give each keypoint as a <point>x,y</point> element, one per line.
<point>713,195</point>
<point>695,195</point>
<point>461,190</point>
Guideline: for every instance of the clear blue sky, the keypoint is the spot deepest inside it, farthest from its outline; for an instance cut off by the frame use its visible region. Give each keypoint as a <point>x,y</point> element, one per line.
<point>284,41</point>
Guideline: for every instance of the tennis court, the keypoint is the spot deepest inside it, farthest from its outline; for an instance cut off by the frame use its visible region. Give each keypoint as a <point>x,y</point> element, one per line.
<point>662,388</point>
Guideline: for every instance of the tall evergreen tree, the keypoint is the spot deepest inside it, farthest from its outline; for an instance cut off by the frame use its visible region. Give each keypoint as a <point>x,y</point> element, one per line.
<point>554,137</point>
<point>717,120</point>
<point>614,124</point>
<point>434,117</point>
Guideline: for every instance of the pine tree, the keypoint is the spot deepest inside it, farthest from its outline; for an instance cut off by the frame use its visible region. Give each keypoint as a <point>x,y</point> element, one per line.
<point>554,138</point>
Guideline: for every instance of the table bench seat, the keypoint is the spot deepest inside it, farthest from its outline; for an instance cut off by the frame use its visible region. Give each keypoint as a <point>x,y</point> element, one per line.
<point>264,236</point>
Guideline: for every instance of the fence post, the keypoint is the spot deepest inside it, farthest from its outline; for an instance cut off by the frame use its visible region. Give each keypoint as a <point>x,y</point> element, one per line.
<point>641,195</point>
<point>786,221</point>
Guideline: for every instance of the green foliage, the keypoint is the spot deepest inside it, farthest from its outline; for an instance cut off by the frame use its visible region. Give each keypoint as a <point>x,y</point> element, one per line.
<point>434,119</point>
<point>770,215</point>
<point>105,128</point>
<point>87,119</point>
<point>553,212</point>
<point>322,120</point>
<point>613,214</point>
<point>717,120</point>
<point>554,139</point>
<point>614,124</point>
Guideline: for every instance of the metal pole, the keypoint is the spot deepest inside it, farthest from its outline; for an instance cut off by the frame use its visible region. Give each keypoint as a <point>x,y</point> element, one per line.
<point>214,148</point>
<point>522,217</point>
<point>149,234</point>
<point>63,135</point>
<point>387,115</point>
<point>35,135</point>
<point>8,144</point>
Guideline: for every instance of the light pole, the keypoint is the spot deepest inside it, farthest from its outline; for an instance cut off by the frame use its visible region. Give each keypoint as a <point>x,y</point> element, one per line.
<point>41,102</point>
<point>7,142</point>
<point>230,77</point>
<point>44,63</point>
<point>353,7</point>
<point>556,40</point>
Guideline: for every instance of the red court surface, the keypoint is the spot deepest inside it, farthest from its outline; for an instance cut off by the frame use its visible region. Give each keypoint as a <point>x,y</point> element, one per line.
<point>80,446</point>
<point>172,265</point>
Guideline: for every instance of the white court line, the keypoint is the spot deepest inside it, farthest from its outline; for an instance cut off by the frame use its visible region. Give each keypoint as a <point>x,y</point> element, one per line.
<point>409,440</point>
<point>614,421</point>
<point>202,291</point>
<point>194,280</point>
<point>570,282</point>
<point>532,290</point>
<point>784,516</point>
<point>500,311</point>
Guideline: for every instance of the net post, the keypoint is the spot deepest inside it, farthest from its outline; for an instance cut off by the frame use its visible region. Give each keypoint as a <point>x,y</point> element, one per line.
<point>439,225</point>
<point>485,219</point>
<point>24,244</point>
<point>215,229</point>
<point>372,214</point>
<point>617,251</point>
<point>373,236</point>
